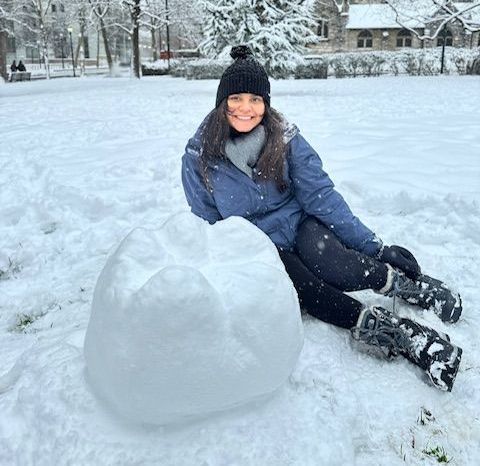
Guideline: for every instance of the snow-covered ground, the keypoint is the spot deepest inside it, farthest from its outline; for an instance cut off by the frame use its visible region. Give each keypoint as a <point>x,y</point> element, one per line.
<point>83,162</point>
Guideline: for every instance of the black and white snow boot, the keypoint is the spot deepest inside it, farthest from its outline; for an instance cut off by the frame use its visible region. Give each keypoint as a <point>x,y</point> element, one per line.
<point>426,292</point>
<point>421,345</point>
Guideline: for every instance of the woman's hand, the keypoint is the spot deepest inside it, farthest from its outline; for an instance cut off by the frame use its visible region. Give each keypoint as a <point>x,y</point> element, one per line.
<point>400,258</point>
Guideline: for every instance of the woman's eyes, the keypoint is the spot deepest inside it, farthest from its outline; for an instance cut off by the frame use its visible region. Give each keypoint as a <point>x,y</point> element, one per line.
<point>237,99</point>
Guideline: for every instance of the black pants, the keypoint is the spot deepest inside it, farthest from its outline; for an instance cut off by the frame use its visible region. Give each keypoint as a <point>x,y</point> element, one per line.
<point>322,268</point>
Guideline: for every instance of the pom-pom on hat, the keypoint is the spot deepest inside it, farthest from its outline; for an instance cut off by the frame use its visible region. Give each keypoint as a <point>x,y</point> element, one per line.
<point>245,74</point>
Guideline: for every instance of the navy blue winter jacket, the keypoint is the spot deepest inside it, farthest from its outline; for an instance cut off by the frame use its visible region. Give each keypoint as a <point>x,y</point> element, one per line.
<point>310,192</point>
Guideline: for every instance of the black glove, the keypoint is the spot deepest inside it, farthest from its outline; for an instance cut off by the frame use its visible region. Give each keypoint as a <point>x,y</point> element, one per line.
<point>402,259</point>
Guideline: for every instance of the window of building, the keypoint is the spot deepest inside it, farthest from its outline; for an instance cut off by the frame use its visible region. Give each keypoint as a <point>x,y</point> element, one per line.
<point>322,29</point>
<point>404,38</point>
<point>365,39</point>
<point>31,53</point>
<point>54,8</point>
<point>62,7</point>
<point>447,35</point>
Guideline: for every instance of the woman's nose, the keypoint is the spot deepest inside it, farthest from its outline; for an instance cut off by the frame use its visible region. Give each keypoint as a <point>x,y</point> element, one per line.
<point>244,105</point>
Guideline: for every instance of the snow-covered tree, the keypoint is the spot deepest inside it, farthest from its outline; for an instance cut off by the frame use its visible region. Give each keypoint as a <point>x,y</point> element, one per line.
<point>101,10</point>
<point>436,13</point>
<point>3,41</point>
<point>156,16</point>
<point>3,54</point>
<point>278,31</point>
<point>34,19</point>
<point>186,18</point>
<point>133,11</point>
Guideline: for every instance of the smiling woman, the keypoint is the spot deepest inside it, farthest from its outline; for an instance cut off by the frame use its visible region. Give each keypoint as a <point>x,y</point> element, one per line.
<point>245,111</point>
<point>246,160</point>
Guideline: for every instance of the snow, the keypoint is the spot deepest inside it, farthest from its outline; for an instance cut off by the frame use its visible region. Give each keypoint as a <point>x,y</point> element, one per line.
<point>472,10</point>
<point>177,308</point>
<point>377,16</point>
<point>86,161</point>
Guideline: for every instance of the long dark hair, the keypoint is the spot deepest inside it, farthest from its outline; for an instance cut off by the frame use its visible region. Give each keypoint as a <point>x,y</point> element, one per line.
<point>270,165</point>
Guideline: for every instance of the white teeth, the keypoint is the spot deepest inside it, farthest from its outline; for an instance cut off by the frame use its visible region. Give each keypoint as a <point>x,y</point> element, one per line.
<point>244,118</point>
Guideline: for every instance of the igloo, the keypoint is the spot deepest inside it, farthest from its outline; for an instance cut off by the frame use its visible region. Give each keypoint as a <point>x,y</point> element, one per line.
<point>191,319</point>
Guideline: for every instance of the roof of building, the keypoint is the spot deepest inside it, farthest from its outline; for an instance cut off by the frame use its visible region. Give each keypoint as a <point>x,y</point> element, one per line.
<point>376,16</point>
<point>382,16</point>
<point>473,8</point>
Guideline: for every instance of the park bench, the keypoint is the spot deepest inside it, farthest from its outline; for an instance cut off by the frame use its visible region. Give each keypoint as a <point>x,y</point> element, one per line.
<point>20,76</point>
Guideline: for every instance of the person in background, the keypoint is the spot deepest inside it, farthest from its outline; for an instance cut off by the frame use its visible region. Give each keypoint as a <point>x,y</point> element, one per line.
<point>247,160</point>
<point>13,67</point>
<point>21,66</point>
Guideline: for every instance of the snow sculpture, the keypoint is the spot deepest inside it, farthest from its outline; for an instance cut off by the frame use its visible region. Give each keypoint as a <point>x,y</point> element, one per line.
<point>191,319</point>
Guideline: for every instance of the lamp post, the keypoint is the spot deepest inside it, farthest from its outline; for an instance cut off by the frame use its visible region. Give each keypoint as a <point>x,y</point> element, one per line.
<point>70,30</point>
<point>168,34</point>
<point>82,53</point>
<point>62,39</point>
<point>39,55</point>
<point>444,34</point>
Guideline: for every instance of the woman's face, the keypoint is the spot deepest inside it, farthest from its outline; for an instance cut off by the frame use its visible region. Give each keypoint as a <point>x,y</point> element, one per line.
<point>245,111</point>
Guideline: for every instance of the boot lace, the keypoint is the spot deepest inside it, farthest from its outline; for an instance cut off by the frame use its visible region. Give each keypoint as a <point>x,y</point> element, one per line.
<point>384,335</point>
<point>406,288</point>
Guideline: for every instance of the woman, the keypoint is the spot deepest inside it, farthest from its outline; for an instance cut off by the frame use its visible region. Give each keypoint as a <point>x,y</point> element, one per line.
<point>246,160</point>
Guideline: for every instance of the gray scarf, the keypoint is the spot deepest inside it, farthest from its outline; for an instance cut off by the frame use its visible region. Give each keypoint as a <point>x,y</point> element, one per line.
<point>243,151</point>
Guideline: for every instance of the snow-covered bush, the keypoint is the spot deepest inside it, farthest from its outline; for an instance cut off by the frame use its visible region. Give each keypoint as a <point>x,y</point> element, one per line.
<point>413,62</point>
<point>312,69</point>
<point>417,62</point>
<point>474,67</point>
<point>206,69</point>
<point>191,319</point>
<point>213,69</point>
<point>149,71</point>
<point>160,67</point>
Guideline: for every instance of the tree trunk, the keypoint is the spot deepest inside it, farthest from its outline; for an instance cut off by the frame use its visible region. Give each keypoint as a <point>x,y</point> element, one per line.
<point>154,44</point>
<point>3,55</point>
<point>97,61</point>
<point>135,41</point>
<point>46,61</point>
<point>106,45</point>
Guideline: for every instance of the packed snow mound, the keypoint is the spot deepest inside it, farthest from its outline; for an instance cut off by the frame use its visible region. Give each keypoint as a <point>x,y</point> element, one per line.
<point>191,319</point>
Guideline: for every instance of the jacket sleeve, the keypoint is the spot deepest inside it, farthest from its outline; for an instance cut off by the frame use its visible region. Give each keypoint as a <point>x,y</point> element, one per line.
<point>315,192</point>
<point>199,198</point>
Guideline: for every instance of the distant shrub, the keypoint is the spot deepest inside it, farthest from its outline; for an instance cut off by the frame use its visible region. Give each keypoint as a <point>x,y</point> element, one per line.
<point>205,69</point>
<point>147,71</point>
<point>474,67</point>
<point>312,69</point>
<point>160,67</point>
<point>414,62</point>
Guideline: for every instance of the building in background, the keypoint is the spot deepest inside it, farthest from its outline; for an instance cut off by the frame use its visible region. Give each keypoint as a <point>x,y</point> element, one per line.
<point>362,25</point>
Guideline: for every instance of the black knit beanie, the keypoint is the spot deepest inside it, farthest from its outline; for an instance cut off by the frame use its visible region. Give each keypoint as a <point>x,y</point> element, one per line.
<point>245,74</point>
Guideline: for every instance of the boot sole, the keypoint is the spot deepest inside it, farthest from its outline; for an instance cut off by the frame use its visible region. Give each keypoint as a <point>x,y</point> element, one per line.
<point>453,304</point>
<point>444,377</point>
<point>451,313</point>
<point>453,317</point>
